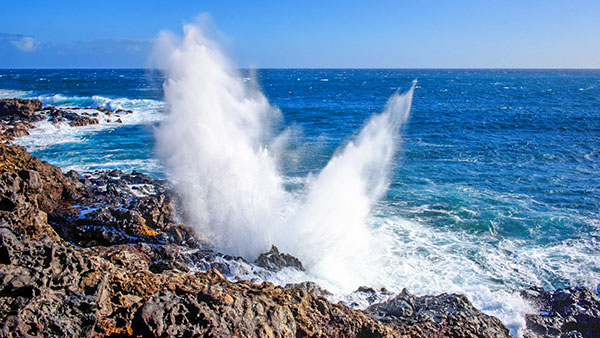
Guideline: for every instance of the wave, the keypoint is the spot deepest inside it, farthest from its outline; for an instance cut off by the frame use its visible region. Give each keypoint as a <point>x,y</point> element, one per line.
<point>10,93</point>
<point>98,101</point>
<point>95,101</point>
<point>45,133</point>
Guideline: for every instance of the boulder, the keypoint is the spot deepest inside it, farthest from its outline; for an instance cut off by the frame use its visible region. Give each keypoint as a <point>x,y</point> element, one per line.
<point>448,315</point>
<point>569,312</point>
<point>275,261</point>
<point>13,109</point>
<point>17,130</point>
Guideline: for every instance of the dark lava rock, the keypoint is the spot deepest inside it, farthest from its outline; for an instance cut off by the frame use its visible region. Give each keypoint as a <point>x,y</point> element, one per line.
<point>56,115</point>
<point>450,315</point>
<point>52,286</point>
<point>80,121</point>
<point>570,312</point>
<point>275,261</point>
<point>13,109</point>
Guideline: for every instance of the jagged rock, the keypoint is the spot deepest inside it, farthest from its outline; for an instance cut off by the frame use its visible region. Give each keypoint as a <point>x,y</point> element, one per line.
<point>164,265</point>
<point>309,286</point>
<point>570,312</point>
<point>80,121</point>
<point>450,315</point>
<point>364,296</point>
<point>52,287</point>
<point>57,115</point>
<point>275,261</point>
<point>22,109</point>
<point>17,130</point>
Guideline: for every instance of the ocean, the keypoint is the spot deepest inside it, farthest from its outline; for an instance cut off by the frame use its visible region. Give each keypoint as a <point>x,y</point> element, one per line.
<point>493,184</point>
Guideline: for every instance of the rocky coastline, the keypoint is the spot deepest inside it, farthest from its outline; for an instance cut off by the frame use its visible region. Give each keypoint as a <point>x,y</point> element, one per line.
<point>101,254</point>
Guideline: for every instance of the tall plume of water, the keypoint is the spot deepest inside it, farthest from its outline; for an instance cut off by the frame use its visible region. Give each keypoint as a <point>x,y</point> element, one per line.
<point>328,230</point>
<point>215,145</point>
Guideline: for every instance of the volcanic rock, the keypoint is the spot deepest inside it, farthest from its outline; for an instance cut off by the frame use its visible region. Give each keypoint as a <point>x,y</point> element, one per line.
<point>570,312</point>
<point>17,130</point>
<point>311,287</point>
<point>275,261</point>
<point>85,256</point>
<point>19,109</point>
<point>450,315</point>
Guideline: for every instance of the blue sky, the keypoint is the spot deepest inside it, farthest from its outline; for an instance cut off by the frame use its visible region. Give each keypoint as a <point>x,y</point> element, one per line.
<point>314,34</point>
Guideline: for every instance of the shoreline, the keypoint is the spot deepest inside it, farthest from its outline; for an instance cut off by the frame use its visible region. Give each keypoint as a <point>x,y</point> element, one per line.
<point>138,278</point>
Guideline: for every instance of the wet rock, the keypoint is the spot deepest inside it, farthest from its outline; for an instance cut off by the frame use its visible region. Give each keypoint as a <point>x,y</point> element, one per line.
<point>570,312</point>
<point>69,115</point>
<point>275,261</point>
<point>80,121</point>
<point>17,130</point>
<point>11,109</point>
<point>222,267</point>
<point>65,271</point>
<point>365,296</point>
<point>449,315</point>
<point>104,110</point>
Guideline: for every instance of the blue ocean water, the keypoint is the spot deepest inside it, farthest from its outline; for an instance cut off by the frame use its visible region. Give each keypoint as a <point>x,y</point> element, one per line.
<point>496,185</point>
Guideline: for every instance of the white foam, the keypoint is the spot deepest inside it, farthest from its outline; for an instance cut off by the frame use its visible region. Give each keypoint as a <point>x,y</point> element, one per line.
<point>143,165</point>
<point>96,101</point>
<point>47,133</point>
<point>12,93</point>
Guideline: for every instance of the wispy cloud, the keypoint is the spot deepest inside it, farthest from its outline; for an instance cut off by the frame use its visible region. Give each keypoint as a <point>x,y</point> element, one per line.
<point>26,51</point>
<point>23,43</point>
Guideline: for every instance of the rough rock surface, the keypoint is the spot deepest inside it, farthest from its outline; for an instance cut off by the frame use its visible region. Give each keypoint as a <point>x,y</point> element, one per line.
<point>571,312</point>
<point>312,287</point>
<point>136,283</point>
<point>448,315</point>
<point>99,255</point>
<point>275,261</point>
<point>17,116</point>
<point>19,109</point>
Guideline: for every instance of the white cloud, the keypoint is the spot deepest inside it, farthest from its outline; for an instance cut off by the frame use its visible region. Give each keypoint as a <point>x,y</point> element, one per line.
<point>25,43</point>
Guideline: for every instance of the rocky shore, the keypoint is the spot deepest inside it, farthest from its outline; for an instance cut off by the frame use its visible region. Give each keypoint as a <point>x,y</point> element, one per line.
<point>101,254</point>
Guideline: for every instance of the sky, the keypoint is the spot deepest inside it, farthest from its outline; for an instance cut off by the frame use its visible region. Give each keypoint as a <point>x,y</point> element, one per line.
<point>309,34</point>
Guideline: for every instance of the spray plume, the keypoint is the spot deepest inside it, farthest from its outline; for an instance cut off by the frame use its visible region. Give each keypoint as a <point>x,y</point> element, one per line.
<point>215,145</point>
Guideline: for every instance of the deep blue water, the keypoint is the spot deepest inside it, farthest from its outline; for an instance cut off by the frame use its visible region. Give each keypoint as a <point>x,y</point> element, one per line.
<point>499,168</point>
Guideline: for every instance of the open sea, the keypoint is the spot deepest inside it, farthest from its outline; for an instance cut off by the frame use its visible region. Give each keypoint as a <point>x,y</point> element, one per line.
<point>495,186</point>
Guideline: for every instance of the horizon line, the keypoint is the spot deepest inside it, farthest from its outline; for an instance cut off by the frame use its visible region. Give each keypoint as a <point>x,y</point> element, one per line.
<point>314,68</point>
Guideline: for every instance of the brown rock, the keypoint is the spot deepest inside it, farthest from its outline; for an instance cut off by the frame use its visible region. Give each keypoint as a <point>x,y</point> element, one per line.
<point>51,288</point>
<point>18,130</point>
<point>275,261</point>
<point>19,108</point>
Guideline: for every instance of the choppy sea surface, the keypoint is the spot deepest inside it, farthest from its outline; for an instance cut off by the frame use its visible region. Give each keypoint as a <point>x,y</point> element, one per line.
<point>496,186</point>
